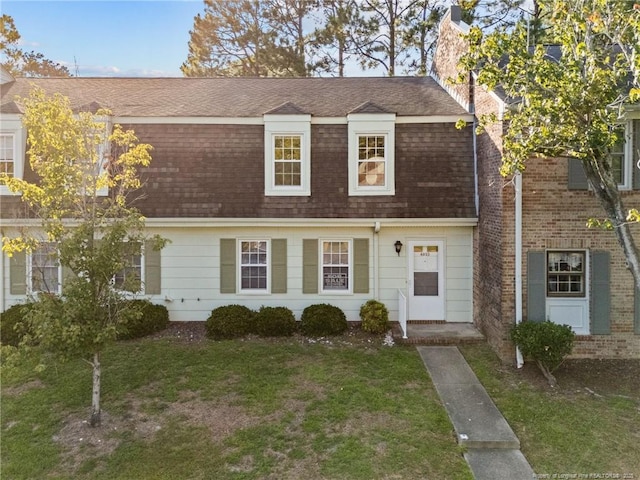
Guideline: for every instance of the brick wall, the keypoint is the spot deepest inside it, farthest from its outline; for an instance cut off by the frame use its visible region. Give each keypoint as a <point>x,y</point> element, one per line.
<point>449,48</point>
<point>493,272</point>
<point>555,218</point>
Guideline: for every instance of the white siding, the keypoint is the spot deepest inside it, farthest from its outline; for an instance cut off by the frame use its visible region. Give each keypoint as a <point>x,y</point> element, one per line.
<point>191,269</point>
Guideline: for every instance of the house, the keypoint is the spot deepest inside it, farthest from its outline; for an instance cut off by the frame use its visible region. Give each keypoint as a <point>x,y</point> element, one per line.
<point>535,259</point>
<point>280,191</point>
<point>338,190</point>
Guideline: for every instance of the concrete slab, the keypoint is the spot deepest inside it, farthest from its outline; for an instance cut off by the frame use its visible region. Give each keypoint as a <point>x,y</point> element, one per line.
<point>498,465</point>
<point>493,449</point>
<point>477,421</point>
<point>446,365</point>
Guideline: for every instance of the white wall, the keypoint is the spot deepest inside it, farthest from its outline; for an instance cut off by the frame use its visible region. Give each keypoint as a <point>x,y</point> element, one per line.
<point>191,269</point>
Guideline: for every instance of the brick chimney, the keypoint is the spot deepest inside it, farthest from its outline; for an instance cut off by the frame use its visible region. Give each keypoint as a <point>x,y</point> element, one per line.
<point>450,47</point>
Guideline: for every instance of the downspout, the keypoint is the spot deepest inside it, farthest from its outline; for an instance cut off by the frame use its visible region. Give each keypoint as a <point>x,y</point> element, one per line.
<point>2,281</point>
<point>475,160</point>
<point>518,259</point>
<point>376,252</point>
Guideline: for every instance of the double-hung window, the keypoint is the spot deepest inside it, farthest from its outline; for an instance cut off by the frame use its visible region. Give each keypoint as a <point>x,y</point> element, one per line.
<point>130,277</point>
<point>372,161</point>
<point>12,146</point>
<point>287,159</point>
<point>7,158</point>
<point>566,271</point>
<point>624,154</point>
<point>336,266</point>
<point>254,266</point>
<point>371,154</point>
<point>44,269</point>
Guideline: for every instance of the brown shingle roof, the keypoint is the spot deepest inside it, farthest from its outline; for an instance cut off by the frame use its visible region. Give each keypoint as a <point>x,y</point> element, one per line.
<point>242,97</point>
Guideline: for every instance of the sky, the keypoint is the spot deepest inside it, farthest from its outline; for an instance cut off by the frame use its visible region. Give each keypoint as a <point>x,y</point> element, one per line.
<point>107,37</point>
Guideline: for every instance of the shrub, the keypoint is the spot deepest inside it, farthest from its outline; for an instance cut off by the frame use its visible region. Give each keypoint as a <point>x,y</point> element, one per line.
<point>13,325</point>
<point>150,318</point>
<point>229,321</point>
<point>275,322</point>
<point>547,343</point>
<point>323,319</point>
<point>375,317</point>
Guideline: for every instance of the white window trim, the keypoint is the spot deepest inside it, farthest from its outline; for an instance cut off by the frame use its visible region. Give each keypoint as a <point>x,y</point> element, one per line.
<point>627,160</point>
<point>369,124</point>
<point>253,291</point>
<point>551,300</point>
<point>287,125</point>
<point>349,290</point>
<point>13,126</point>
<point>30,288</point>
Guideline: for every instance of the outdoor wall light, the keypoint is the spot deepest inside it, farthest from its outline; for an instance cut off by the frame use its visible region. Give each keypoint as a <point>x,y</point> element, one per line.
<point>398,246</point>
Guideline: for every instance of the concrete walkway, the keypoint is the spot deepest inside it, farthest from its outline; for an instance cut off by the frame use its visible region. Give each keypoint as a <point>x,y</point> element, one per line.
<point>493,449</point>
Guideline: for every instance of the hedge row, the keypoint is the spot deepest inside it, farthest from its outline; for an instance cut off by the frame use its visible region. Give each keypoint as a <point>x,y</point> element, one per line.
<point>152,318</point>
<point>319,320</point>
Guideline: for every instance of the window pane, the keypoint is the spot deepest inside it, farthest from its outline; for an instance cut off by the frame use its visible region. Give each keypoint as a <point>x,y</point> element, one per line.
<point>371,161</point>
<point>335,265</point>
<point>44,269</point>
<point>6,154</point>
<point>617,155</point>
<point>565,273</point>
<point>253,269</point>
<point>287,160</point>
<point>130,277</point>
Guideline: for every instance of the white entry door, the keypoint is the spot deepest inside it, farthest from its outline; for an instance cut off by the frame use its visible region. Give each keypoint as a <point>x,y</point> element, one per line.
<point>426,280</point>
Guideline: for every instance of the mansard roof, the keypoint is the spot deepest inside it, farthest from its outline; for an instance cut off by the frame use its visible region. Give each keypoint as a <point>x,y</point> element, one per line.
<point>242,97</point>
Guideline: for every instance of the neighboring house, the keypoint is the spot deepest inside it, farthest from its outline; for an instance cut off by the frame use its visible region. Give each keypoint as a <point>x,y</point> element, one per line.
<point>279,192</point>
<point>570,274</point>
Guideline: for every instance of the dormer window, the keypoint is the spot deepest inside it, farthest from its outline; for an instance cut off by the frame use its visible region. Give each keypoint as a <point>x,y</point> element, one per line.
<point>372,161</point>
<point>287,152</point>
<point>7,160</point>
<point>12,147</point>
<point>371,152</point>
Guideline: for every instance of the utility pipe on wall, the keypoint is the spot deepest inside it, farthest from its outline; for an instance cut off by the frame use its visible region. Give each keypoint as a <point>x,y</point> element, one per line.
<point>518,258</point>
<point>376,255</point>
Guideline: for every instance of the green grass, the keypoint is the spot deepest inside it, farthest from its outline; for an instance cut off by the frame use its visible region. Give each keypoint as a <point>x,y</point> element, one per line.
<point>232,410</point>
<point>564,431</point>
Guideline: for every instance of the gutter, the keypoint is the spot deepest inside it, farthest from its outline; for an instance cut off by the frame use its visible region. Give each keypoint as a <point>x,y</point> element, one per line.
<point>518,259</point>
<point>376,261</point>
<point>2,282</point>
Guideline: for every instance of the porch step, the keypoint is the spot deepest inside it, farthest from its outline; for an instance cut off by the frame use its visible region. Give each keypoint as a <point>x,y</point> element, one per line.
<point>438,334</point>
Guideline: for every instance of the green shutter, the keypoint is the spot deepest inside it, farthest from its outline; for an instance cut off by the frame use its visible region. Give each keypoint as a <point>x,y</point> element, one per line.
<point>227,265</point>
<point>67,275</point>
<point>309,266</point>
<point>279,265</point>
<point>536,286</point>
<point>636,318</point>
<point>18,274</point>
<point>152,270</point>
<point>577,177</point>
<point>600,294</point>
<point>361,265</point>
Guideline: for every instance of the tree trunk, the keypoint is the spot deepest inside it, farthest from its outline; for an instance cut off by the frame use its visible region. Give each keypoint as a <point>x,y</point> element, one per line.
<point>95,396</point>
<point>547,374</point>
<point>607,193</point>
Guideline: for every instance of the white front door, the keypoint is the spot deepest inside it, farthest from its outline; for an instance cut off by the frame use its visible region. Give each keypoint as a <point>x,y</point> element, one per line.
<point>426,280</point>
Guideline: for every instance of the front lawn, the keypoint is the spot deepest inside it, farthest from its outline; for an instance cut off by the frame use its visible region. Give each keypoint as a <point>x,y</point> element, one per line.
<point>586,427</point>
<point>349,408</point>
